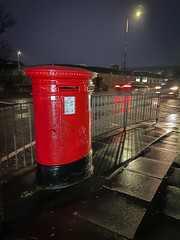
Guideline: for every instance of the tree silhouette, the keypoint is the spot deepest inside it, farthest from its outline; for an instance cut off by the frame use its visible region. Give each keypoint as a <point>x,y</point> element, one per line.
<point>6,23</point>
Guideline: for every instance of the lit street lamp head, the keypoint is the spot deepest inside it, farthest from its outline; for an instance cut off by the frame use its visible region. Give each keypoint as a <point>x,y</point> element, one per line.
<point>138,13</point>
<point>19,53</point>
<point>139,10</point>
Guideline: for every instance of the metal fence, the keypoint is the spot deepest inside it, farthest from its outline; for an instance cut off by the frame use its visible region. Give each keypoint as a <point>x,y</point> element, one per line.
<point>118,111</point>
<point>17,141</point>
<point>17,137</point>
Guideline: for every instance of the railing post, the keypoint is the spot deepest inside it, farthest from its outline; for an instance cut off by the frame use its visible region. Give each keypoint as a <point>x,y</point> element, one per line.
<point>125,112</point>
<point>14,134</point>
<point>158,107</point>
<point>30,132</point>
<point>5,136</point>
<point>22,134</point>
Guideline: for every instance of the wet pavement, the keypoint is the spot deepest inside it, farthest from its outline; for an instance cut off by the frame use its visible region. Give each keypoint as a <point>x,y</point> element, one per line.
<point>109,205</point>
<point>133,194</point>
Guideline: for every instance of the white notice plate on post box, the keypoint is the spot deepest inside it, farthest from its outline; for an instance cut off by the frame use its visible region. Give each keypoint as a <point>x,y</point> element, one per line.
<point>69,105</point>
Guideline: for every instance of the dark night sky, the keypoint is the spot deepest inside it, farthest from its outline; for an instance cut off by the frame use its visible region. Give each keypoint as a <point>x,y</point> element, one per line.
<point>92,32</point>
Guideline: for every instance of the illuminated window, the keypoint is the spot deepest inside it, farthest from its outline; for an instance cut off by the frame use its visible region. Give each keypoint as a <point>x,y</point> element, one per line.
<point>144,79</point>
<point>138,79</point>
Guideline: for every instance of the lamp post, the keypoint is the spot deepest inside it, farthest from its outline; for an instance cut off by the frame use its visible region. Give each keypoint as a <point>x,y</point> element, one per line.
<point>18,55</point>
<point>125,44</point>
<point>138,14</point>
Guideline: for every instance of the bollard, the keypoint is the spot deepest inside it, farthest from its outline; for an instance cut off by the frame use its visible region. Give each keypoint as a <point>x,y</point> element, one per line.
<point>63,124</point>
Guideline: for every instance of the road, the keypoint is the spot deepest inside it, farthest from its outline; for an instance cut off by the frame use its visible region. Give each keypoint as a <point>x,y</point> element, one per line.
<point>169,106</point>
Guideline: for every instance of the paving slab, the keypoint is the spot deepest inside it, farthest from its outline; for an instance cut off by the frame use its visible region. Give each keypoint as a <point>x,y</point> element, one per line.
<point>107,151</point>
<point>96,145</point>
<point>172,203</point>
<point>153,132</point>
<point>162,155</point>
<point>176,162</point>
<point>105,157</point>
<point>170,141</point>
<point>173,138</point>
<point>149,167</point>
<point>63,224</point>
<point>134,184</point>
<point>143,138</point>
<point>113,211</point>
<point>174,177</point>
<point>167,146</point>
<point>160,130</point>
<point>86,230</point>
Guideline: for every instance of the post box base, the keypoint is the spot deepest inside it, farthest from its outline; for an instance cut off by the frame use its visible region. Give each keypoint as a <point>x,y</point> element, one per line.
<point>61,176</point>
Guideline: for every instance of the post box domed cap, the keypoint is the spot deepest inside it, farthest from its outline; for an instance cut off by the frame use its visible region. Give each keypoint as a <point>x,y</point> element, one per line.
<point>49,71</point>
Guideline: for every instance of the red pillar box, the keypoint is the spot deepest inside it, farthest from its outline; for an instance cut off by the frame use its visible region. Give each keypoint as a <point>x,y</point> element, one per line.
<point>63,117</point>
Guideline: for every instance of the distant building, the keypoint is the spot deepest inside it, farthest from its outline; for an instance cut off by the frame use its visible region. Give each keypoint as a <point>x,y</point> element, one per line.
<point>106,80</point>
<point>114,66</point>
<point>166,71</point>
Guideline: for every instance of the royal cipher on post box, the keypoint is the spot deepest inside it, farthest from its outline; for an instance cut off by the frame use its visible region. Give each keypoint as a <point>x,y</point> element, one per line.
<point>63,124</point>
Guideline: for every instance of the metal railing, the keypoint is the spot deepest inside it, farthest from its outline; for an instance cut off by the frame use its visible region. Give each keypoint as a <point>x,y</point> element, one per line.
<point>17,136</point>
<point>118,111</point>
<point>17,141</point>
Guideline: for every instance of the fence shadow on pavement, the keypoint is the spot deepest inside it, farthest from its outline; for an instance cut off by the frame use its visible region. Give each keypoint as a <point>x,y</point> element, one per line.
<point>111,152</point>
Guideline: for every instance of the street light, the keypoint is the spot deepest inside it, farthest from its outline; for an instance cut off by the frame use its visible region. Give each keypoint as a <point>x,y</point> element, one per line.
<point>138,14</point>
<point>125,44</point>
<point>18,55</point>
